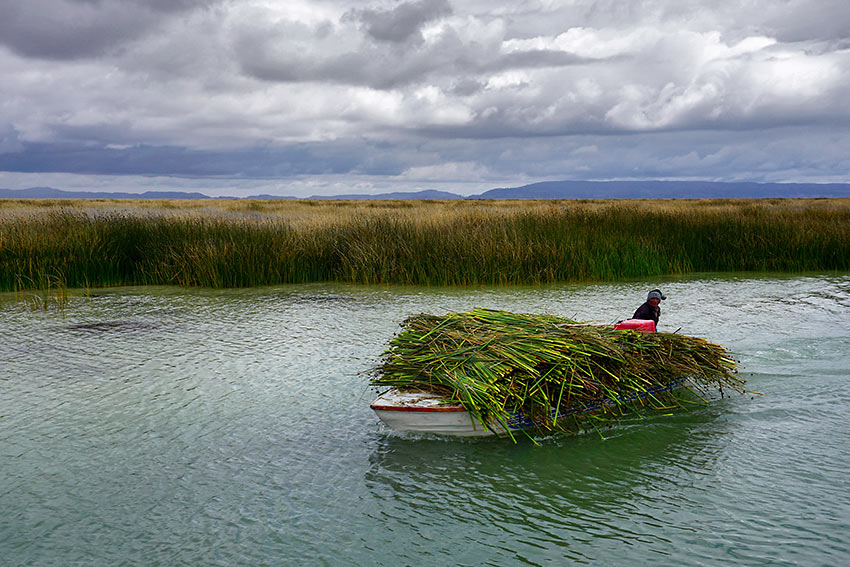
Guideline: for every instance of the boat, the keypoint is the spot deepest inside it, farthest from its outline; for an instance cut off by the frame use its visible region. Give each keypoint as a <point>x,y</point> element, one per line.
<point>487,358</point>
<point>427,412</point>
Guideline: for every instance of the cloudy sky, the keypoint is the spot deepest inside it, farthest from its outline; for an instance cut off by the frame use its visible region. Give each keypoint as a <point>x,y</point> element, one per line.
<point>304,97</point>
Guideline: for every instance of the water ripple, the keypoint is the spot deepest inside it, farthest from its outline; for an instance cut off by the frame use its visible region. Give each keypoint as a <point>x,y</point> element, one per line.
<point>185,427</point>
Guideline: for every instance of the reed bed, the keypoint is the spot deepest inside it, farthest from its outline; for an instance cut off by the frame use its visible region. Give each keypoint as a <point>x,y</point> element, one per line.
<point>248,243</point>
<point>498,363</point>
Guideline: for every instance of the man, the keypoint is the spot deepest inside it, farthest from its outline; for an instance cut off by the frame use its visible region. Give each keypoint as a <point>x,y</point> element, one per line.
<point>650,310</point>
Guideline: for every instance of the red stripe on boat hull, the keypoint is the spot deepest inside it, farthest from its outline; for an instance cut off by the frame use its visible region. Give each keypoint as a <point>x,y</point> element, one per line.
<point>408,408</point>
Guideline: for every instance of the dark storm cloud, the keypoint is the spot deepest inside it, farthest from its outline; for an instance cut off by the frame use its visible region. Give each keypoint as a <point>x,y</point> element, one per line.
<point>532,59</point>
<point>800,20</point>
<point>295,159</point>
<point>384,70</point>
<point>402,22</point>
<point>788,154</point>
<point>271,54</point>
<point>9,139</point>
<point>71,29</point>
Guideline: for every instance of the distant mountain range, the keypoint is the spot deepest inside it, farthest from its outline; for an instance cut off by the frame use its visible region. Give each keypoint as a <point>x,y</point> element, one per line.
<point>51,193</point>
<point>545,190</point>
<point>666,190</point>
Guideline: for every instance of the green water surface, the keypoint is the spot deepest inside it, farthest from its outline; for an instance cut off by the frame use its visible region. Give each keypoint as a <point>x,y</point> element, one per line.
<point>172,427</point>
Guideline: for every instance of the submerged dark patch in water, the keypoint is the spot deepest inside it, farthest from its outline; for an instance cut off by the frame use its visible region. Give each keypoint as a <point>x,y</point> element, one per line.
<point>320,299</point>
<point>111,326</point>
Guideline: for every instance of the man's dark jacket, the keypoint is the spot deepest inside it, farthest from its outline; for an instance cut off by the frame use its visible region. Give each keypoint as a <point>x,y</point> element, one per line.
<point>647,311</point>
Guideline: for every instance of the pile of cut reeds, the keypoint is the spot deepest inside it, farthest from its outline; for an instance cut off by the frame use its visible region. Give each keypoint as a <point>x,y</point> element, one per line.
<point>553,371</point>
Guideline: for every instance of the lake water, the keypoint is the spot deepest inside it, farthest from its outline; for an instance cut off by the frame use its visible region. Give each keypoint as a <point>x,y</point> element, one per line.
<point>170,427</point>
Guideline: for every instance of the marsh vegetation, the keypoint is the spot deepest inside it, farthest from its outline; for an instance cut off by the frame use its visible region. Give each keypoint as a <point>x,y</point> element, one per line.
<point>237,243</point>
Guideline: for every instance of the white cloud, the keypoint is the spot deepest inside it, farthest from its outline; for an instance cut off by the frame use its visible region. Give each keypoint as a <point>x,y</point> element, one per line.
<point>452,171</point>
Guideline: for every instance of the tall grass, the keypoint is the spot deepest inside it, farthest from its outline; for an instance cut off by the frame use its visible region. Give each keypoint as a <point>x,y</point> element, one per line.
<point>436,243</point>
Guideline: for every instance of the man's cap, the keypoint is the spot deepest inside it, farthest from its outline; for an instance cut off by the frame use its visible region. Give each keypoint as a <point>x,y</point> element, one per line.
<point>656,293</point>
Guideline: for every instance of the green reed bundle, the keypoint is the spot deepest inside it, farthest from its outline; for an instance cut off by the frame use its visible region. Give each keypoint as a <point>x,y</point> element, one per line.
<point>551,370</point>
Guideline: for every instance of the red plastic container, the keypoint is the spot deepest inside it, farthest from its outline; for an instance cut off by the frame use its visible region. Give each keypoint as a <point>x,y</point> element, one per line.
<point>644,325</point>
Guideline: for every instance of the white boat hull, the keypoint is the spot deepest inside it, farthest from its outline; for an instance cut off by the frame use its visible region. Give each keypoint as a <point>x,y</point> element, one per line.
<point>426,413</point>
